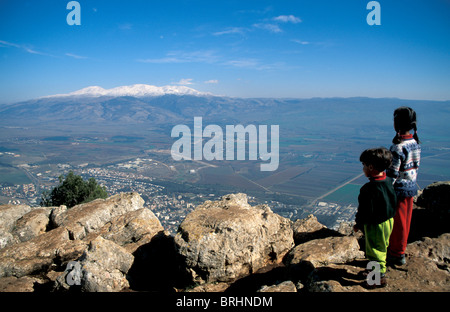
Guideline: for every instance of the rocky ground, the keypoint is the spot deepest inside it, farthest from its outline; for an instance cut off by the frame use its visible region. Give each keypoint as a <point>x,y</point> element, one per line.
<point>116,245</point>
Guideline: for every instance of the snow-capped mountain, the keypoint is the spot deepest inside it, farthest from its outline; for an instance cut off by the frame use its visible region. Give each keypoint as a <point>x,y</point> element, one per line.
<point>136,90</point>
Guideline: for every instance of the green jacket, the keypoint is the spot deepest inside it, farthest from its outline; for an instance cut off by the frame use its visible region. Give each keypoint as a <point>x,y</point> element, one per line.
<point>377,201</point>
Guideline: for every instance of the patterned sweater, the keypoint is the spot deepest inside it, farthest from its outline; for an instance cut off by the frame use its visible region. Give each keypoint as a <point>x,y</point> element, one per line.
<point>405,165</point>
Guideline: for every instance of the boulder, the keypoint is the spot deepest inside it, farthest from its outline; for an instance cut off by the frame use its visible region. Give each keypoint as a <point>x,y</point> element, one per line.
<point>90,217</point>
<point>436,198</point>
<point>132,229</point>
<point>6,238</point>
<point>226,239</point>
<point>32,224</point>
<point>322,252</point>
<point>9,214</point>
<point>40,253</point>
<point>309,228</point>
<point>75,228</point>
<point>434,249</point>
<point>22,284</point>
<point>327,286</point>
<point>431,214</point>
<point>286,286</point>
<point>104,266</point>
<point>56,215</point>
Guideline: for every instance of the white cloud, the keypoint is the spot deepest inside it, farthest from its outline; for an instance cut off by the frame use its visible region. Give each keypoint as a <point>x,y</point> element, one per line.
<point>32,51</point>
<point>300,41</point>
<point>270,27</point>
<point>23,47</point>
<point>201,56</point>
<point>257,65</point>
<point>230,31</point>
<point>163,60</point>
<point>8,44</point>
<point>184,81</point>
<point>243,63</point>
<point>287,19</point>
<point>214,81</point>
<point>75,56</point>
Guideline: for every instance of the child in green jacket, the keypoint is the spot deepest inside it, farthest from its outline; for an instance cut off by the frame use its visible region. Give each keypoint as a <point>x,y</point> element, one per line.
<point>376,209</point>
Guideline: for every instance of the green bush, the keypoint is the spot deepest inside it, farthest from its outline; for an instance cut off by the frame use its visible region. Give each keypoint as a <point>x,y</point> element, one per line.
<point>73,190</point>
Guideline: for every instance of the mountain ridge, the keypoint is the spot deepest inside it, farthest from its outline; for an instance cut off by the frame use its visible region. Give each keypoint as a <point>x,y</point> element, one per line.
<point>135,90</point>
<point>136,104</point>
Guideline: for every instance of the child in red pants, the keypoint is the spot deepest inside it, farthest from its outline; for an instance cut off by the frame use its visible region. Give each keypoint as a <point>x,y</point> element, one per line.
<point>404,168</point>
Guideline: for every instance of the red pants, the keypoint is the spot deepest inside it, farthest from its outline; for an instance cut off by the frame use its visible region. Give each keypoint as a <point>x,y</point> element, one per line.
<point>402,222</point>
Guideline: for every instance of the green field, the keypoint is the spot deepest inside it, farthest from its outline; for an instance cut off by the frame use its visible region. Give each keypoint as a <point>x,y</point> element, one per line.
<point>345,195</point>
<point>10,175</point>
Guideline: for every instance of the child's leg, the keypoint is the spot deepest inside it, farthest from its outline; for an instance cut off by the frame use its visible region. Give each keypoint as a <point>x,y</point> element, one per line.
<point>409,203</point>
<point>402,221</point>
<point>377,242</point>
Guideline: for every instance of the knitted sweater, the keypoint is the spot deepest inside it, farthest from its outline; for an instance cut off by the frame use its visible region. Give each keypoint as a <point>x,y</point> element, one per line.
<point>376,201</point>
<point>405,165</point>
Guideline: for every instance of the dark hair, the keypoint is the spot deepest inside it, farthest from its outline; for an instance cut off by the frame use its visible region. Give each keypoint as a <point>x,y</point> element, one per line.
<point>404,120</point>
<point>380,158</point>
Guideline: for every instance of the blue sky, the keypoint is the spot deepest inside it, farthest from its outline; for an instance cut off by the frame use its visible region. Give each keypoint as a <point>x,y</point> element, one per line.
<point>236,48</point>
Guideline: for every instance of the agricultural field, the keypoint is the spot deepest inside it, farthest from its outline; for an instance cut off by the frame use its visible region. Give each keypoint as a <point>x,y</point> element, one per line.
<point>347,194</point>
<point>12,176</point>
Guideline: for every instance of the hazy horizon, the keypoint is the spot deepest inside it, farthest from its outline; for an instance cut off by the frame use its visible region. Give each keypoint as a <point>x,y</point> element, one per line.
<point>221,95</point>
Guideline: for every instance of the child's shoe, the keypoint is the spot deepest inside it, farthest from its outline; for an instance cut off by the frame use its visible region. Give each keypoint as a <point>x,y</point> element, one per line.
<point>393,260</point>
<point>383,283</point>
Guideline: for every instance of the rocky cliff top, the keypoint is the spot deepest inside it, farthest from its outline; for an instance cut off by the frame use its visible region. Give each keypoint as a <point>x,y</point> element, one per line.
<point>222,246</point>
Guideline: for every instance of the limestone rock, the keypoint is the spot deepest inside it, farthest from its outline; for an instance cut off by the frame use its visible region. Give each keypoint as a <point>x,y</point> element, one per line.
<point>435,249</point>
<point>22,284</point>
<point>226,239</point>
<point>104,266</point>
<point>210,288</point>
<point>32,256</point>
<point>321,252</point>
<point>9,214</point>
<point>65,242</point>
<point>132,229</point>
<point>87,218</point>
<point>309,228</point>
<point>56,215</point>
<point>436,198</point>
<point>6,238</point>
<point>431,214</point>
<point>326,286</point>
<point>286,286</point>
<point>32,224</point>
